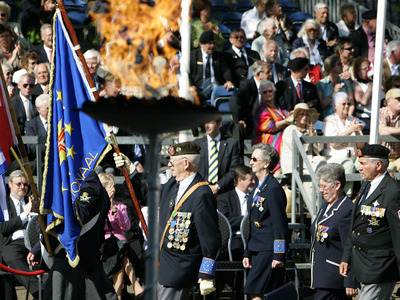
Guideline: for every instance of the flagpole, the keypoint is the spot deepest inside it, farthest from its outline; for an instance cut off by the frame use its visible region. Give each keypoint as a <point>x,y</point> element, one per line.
<point>93,89</point>
<point>26,164</point>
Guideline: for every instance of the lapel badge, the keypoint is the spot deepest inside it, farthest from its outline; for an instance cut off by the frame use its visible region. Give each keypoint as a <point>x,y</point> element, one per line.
<point>257,224</point>
<point>171,203</point>
<point>85,197</point>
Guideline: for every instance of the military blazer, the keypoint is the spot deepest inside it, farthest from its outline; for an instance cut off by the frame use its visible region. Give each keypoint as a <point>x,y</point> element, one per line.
<point>228,160</point>
<point>373,245</point>
<point>326,254</point>
<point>268,220</point>
<point>180,268</point>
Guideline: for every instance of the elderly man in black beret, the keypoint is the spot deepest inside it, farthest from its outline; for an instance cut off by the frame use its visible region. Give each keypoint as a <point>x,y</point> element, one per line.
<point>372,249</point>
<point>207,69</point>
<point>294,89</point>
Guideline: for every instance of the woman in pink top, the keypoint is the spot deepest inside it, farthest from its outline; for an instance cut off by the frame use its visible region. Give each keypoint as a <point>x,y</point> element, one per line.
<point>119,264</point>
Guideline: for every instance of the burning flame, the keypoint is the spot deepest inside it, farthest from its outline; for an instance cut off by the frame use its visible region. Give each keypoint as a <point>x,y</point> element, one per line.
<point>131,30</point>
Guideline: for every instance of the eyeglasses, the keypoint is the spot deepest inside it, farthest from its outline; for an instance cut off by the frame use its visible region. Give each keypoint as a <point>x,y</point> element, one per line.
<point>3,15</point>
<point>267,91</point>
<point>239,37</point>
<point>31,85</point>
<point>8,73</point>
<point>364,69</point>
<point>33,62</point>
<point>173,162</point>
<point>312,30</point>
<point>325,187</point>
<point>19,184</point>
<point>255,159</point>
<point>348,48</point>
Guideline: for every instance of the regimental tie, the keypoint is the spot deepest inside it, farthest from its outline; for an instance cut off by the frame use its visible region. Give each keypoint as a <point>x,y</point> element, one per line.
<point>213,165</point>
<point>207,78</point>
<point>298,90</point>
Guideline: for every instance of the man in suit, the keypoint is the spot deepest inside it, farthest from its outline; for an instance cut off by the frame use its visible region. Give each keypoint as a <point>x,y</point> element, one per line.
<point>92,59</point>
<point>45,50</point>
<point>16,216</point>
<point>330,32</point>
<point>219,156</point>
<point>238,58</point>
<point>233,205</point>
<point>23,102</point>
<point>244,102</point>
<point>270,53</point>
<point>295,89</point>
<point>391,64</point>
<point>42,75</point>
<point>207,69</point>
<point>189,222</point>
<point>372,249</point>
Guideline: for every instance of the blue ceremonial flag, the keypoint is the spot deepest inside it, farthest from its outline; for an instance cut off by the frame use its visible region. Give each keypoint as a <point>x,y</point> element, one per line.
<point>76,142</point>
<point>3,195</point>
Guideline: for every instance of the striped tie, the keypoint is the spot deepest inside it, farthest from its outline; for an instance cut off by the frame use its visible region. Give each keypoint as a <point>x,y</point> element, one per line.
<point>298,90</point>
<point>213,166</point>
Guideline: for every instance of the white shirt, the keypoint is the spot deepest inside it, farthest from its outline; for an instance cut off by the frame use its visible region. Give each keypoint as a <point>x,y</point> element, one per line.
<point>27,106</point>
<point>375,183</point>
<point>242,201</point>
<point>183,185</point>
<point>249,22</point>
<point>394,69</point>
<point>239,54</point>
<point>19,234</point>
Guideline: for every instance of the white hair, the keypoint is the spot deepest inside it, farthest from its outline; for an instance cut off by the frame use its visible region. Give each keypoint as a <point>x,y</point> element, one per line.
<point>39,102</point>
<point>337,96</point>
<point>264,25</point>
<point>391,48</point>
<point>319,6</point>
<point>92,53</point>
<point>6,66</point>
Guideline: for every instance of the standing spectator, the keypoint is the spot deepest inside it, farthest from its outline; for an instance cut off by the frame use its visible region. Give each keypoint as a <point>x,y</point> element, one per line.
<point>42,75</point>
<point>389,124</point>
<point>10,51</point>
<point>266,246</point>
<point>344,48</point>
<point>329,30</point>
<point>348,18</point>
<point>391,64</point>
<point>252,17</point>
<point>274,11</point>
<point>92,59</point>
<point>341,124</point>
<point>45,50</point>
<point>314,73</point>
<point>270,54</point>
<point>238,58</point>
<point>333,83</point>
<point>17,35</point>
<point>34,13</point>
<point>29,61</point>
<point>372,250</point>
<point>329,234</point>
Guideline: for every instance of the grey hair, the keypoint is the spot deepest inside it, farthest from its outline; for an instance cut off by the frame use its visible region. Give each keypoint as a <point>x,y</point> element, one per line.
<point>193,159</point>
<point>39,102</point>
<point>384,161</point>
<point>269,154</point>
<point>15,174</point>
<point>6,66</point>
<point>106,179</point>
<point>391,48</point>
<point>44,27</point>
<point>92,53</point>
<point>297,51</point>
<point>267,42</point>
<point>332,173</point>
<point>47,65</point>
<point>337,96</point>
<point>268,82</point>
<point>264,25</point>
<point>319,6</point>
<point>28,75</point>
<point>303,28</point>
<point>258,66</point>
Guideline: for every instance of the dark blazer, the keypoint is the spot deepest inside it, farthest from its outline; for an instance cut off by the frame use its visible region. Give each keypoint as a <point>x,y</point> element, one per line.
<point>34,127</point>
<point>180,268</point>
<point>281,72</point>
<point>228,204</point>
<point>38,90</point>
<point>373,244</point>
<point>42,54</point>
<point>322,48</point>
<point>286,95</point>
<point>332,32</point>
<point>228,160</point>
<point>360,42</point>
<point>273,222</point>
<point>20,111</point>
<point>326,255</point>
<point>239,69</point>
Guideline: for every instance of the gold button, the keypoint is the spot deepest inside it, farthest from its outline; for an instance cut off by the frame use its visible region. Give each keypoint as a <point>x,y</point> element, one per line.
<point>354,247</point>
<point>359,248</point>
<point>353,231</point>
<point>358,233</point>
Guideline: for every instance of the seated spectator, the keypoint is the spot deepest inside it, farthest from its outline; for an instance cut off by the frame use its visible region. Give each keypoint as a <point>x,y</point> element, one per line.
<point>389,124</point>
<point>29,61</point>
<point>269,120</point>
<point>10,51</point>
<point>267,30</point>
<point>45,50</point>
<point>252,17</point>
<point>42,75</point>
<point>244,102</point>
<point>8,73</point>
<point>392,82</point>
<point>391,64</point>
<point>333,83</point>
<point>5,11</point>
<point>341,124</point>
<point>16,215</point>
<point>282,23</point>
<point>314,74</point>
<point>207,68</point>
<point>219,157</point>
<point>292,90</point>
<point>348,18</point>
<point>329,30</point>
<point>34,13</point>
<point>310,36</point>
<point>120,264</point>
<point>238,58</point>
<point>92,58</point>
<point>201,22</point>
<point>270,54</point>
<point>344,48</point>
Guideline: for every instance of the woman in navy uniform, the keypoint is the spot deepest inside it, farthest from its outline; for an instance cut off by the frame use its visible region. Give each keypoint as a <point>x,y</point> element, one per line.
<point>266,246</point>
<point>329,233</point>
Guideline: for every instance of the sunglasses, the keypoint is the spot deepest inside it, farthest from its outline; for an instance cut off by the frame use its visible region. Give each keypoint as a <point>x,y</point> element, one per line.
<point>239,37</point>
<point>255,159</point>
<point>3,15</point>
<point>19,184</point>
<point>31,85</point>
<point>312,30</point>
<point>348,48</point>
<point>268,91</point>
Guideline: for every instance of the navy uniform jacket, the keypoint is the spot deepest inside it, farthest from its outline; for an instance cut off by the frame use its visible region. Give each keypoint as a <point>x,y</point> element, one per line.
<point>373,244</point>
<point>326,256</point>
<point>228,160</point>
<point>273,220</point>
<point>180,269</point>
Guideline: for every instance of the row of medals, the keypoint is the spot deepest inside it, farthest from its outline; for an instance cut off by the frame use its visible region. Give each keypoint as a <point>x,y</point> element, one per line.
<point>322,233</point>
<point>178,233</point>
<point>258,202</point>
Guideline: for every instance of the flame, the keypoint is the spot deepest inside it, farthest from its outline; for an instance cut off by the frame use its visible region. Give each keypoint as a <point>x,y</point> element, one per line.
<point>131,31</point>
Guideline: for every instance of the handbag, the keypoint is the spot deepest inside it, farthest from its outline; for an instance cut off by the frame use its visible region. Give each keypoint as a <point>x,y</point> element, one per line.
<point>287,291</point>
<point>109,247</point>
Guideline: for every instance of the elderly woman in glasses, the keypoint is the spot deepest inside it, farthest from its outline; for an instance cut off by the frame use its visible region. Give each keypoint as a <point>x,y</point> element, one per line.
<point>8,75</point>
<point>310,36</point>
<point>9,50</point>
<point>341,124</point>
<point>329,233</point>
<point>266,246</point>
<point>269,119</point>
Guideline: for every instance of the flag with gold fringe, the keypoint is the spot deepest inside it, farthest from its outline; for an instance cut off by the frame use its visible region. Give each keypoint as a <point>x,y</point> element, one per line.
<point>76,142</point>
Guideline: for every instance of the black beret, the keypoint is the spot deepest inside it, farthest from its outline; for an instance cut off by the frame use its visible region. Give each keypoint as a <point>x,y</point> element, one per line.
<point>184,148</point>
<point>373,151</point>
<point>298,63</point>
<point>369,14</point>
<point>207,36</point>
